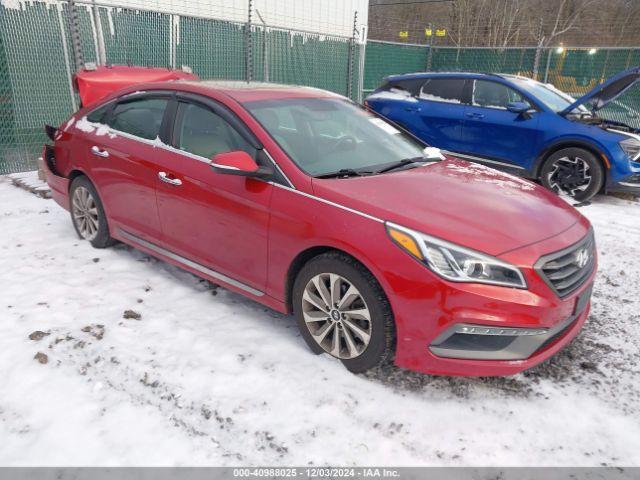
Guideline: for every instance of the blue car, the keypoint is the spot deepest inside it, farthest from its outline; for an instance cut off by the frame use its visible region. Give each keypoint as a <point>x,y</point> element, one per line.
<point>521,126</point>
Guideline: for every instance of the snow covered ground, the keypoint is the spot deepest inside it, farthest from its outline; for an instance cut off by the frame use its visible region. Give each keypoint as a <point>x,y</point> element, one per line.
<point>205,377</point>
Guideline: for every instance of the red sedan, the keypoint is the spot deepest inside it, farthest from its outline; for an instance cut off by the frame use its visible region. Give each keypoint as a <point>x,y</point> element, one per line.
<point>308,203</point>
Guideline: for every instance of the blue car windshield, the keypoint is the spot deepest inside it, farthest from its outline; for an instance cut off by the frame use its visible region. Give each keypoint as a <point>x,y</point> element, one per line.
<point>553,98</point>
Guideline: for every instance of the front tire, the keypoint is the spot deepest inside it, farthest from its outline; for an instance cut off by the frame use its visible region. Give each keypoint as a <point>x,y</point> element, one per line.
<point>341,310</point>
<point>87,213</point>
<point>574,172</point>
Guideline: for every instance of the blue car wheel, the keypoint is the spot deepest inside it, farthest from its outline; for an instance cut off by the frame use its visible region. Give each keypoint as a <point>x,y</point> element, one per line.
<point>574,172</point>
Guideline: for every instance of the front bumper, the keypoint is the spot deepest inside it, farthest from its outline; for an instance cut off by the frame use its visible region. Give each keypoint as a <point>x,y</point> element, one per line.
<point>624,175</point>
<point>528,326</point>
<point>629,184</point>
<point>480,342</point>
<point>435,365</point>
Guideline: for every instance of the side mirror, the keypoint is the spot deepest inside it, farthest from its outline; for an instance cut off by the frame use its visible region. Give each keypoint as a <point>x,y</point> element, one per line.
<point>239,163</point>
<point>518,107</point>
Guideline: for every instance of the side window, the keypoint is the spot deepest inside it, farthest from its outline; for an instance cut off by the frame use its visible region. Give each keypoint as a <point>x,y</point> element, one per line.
<point>494,95</point>
<point>97,116</point>
<point>141,118</point>
<point>204,133</point>
<point>447,90</point>
<point>410,86</point>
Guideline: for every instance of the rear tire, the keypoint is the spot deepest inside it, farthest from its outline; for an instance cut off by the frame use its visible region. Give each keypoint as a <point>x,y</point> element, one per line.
<point>574,172</point>
<point>336,296</point>
<point>87,213</point>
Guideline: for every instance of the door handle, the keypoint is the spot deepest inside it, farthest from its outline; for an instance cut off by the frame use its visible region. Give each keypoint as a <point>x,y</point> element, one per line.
<point>100,153</point>
<point>412,109</point>
<point>172,181</point>
<point>474,115</point>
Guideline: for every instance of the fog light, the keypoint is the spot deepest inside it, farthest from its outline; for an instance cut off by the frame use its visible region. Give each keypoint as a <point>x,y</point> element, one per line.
<point>504,332</point>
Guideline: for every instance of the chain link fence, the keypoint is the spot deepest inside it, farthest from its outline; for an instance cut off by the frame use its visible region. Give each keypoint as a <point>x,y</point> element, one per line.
<point>37,60</point>
<point>572,70</point>
<point>388,58</point>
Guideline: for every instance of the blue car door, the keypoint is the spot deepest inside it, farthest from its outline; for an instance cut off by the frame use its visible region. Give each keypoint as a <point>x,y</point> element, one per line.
<point>493,133</point>
<point>436,113</point>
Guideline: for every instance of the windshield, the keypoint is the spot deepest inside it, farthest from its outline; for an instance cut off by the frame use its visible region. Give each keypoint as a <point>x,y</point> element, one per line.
<point>326,135</point>
<point>553,98</point>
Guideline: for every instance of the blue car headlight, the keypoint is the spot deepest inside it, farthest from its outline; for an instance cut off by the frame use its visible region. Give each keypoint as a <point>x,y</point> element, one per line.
<point>631,147</point>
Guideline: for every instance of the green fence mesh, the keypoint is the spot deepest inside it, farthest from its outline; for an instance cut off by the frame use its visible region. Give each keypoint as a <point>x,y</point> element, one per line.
<point>34,85</point>
<point>384,58</point>
<point>36,60</point>
<point>212,48</point>
<point>136,37</point>
<point>516,61</point>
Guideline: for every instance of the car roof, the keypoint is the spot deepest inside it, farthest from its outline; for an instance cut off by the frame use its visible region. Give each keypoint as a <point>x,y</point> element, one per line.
<point>237,90</point>
<point>418,75</point>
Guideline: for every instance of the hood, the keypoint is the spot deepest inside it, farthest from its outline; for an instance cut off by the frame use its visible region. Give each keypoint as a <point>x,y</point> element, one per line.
<point>464,203</point>
<point>608,91</point>
<point>94,83</point>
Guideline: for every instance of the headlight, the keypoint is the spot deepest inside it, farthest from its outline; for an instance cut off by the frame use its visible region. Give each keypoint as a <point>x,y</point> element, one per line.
<point>454,262</point>
<point>631,147</point>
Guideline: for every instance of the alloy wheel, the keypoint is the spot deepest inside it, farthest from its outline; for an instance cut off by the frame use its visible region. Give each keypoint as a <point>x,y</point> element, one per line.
<point>336,315</point>
<point>569,176</point>
<point>85,213</point>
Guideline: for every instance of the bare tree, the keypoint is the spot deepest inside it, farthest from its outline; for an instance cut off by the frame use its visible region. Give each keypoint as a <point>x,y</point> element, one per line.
<point>502,23</point>
<point>564,18</point>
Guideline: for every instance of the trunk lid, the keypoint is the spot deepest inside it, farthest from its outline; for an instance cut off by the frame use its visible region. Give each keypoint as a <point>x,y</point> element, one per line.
<point>94,83</point>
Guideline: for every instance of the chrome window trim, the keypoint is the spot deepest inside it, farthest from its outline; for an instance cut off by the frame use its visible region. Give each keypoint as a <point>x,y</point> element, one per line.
<point>160,144</point>
<point>275,164</point>
<point>190,263</point>
<point>291,187</point>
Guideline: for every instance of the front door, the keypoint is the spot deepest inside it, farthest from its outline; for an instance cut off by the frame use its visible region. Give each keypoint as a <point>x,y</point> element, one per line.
<point>439,113</point>
<point>492,132</point>
<point>216,220</point>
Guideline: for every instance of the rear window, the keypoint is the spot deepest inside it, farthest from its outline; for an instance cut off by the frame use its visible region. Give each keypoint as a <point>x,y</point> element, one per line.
<point>447,90</point>
<point>141,118</point>
<point>410,85</point>
<point>97,116</point>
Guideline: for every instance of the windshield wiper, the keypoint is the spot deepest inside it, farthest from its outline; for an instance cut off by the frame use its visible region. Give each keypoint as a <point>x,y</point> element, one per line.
<point>402,163</point>
<point>345,172</point>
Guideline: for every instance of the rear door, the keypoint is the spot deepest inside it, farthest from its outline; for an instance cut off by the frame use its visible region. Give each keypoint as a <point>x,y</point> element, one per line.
<point>495,134</point>
<point>218,221</point>
<point>440,112</point>
<point>122,161</point>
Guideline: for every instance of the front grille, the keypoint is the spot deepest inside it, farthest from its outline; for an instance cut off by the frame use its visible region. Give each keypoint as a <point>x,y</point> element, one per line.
<point>567,269</point>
